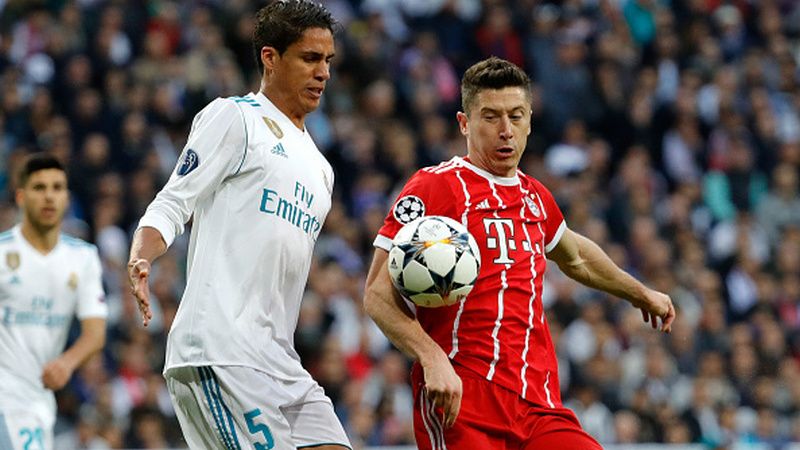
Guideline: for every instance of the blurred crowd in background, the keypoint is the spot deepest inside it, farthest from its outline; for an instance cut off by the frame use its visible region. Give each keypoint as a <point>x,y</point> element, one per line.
<point>668,130</point>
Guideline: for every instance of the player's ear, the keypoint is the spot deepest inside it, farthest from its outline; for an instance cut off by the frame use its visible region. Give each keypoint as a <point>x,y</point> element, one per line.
<point>18,197</point>
<point>462,122</point>
<point>530,122</point>
<point>268,57</point>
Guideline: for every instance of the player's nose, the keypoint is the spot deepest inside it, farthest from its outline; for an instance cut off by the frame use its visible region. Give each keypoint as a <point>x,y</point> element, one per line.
<point>506,130</point>
<point>323,71</point>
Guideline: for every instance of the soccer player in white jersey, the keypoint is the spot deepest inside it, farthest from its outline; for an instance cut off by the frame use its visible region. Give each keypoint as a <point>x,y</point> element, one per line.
<point>46,279</point>
<point>259,190</point>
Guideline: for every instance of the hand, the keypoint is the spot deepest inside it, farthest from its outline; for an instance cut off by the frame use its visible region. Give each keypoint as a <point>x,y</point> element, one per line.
<point>55,374</point>
<point>655,305</point>
<point>443,387</point>
<point>138,274</point>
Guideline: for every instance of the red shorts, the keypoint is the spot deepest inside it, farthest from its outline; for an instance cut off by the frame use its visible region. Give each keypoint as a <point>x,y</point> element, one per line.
<point>496,418</point>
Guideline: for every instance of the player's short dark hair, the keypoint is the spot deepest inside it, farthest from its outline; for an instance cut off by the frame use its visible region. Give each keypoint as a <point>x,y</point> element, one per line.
<point>492,73</point>
<point>283,22</point>
<point>36,162</point>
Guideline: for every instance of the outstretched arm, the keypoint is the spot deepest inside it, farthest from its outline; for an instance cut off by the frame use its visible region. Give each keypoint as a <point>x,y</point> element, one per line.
<point>387,309</point>
<point>584,261</point>
<point>148,244</point>
<point>57,372</point>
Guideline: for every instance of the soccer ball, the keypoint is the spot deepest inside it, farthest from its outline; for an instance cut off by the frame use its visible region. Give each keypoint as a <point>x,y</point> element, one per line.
<point>434,261</point>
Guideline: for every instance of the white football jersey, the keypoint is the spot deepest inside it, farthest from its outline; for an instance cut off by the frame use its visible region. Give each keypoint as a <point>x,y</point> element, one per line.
<point>39,297</point>
<point>259,190</point>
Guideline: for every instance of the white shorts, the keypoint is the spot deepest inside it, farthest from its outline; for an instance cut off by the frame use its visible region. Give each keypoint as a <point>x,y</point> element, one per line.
<point>25,430</point>
<point>234,408</point>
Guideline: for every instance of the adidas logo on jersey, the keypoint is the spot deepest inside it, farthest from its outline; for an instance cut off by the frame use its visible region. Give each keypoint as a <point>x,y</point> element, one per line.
<point>484,204</point>
<point>279,150</point>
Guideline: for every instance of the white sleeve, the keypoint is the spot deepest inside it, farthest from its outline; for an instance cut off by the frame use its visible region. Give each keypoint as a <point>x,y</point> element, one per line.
<point>91,298</point>
<point>215,149</point>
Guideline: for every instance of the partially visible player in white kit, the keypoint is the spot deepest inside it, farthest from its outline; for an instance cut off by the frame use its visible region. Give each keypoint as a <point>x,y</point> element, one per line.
<point>259,191</point>
<point>46,279</point>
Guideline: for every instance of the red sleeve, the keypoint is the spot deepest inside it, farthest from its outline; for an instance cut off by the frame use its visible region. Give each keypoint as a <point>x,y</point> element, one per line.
<point>554,224</point>
<point>425,194</point>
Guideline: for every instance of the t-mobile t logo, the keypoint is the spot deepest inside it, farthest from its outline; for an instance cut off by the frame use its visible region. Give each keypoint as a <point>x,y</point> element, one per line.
<point>498,238</point>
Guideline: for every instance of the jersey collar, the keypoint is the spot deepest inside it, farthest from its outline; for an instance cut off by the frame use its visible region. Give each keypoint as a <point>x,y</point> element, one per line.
<point>503,181</point>
<point>17,232</point>
<point>277,114</point>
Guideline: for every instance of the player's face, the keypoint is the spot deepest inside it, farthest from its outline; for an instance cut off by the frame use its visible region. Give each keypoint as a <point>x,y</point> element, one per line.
<point>43,199</point>
<point>298,76</point>
<point>497,129</point>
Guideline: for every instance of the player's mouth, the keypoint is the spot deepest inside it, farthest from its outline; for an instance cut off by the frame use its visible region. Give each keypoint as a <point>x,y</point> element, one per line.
<point>48,212</point>
<point>315,93</point>
<point>505,151</point>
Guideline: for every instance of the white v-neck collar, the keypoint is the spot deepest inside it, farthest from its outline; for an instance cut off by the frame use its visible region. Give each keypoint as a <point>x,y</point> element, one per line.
<point>277,113</point>
<point>503,181</point>
<point>17,231</point>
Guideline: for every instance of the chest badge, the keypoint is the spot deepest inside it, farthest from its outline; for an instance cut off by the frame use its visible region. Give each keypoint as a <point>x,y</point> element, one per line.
<point>12,260</point>
<point>72,282</point>
<point>532,206</point>
<point>273,126</point>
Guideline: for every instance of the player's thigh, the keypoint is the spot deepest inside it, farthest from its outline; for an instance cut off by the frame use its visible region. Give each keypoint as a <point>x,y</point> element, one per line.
<point>465,434</point>
<point>483,420</point>
<point>560,430</point>
<point>313,421</point>
<point>25,430</point>
<point>228,408</point>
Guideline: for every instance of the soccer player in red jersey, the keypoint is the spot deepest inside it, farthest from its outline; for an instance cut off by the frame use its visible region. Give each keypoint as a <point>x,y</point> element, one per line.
<point>486,375</point>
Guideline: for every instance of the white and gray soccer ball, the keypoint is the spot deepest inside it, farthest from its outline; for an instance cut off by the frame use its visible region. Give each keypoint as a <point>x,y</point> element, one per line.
<point>434,261</point>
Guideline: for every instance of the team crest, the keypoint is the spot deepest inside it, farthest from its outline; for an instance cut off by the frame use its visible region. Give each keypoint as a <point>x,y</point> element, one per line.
<point>408,209</point>
<point>12,260</point>
<point>273,126</point>
<point>72,282</point>
<point>532,206</point>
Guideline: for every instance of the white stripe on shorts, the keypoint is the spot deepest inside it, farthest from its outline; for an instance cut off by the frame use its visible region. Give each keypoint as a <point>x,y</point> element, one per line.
<point>423,407</point>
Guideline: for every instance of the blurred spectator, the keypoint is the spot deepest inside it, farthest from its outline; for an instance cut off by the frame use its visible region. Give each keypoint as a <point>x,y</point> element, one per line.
<point>780,208</point>
<point>738,186</point>
<point>593,415</point>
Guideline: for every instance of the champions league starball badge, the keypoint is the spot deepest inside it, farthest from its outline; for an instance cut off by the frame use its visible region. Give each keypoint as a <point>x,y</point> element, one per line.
<point>408,208</point>
<point>190,162</point>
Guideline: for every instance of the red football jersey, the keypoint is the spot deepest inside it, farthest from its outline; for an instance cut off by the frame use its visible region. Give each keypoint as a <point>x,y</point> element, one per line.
<point>499,329</point>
